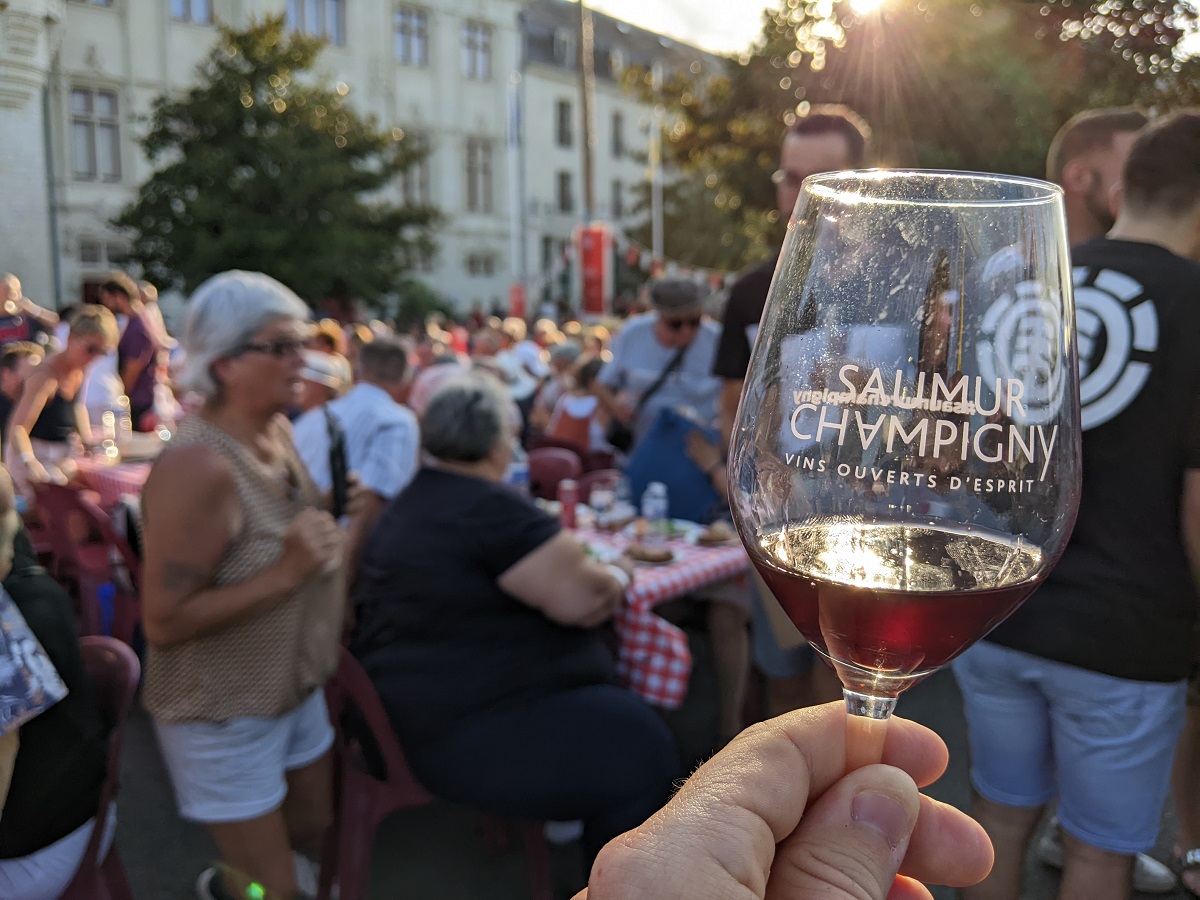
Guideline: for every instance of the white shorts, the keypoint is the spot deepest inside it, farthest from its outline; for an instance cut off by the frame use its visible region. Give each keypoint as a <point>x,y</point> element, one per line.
<point>44,875</point>
<point>234,771</point>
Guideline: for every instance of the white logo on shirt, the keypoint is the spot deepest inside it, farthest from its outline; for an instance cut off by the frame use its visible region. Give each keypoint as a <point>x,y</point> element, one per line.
<point>1022,341</point>
<point>1112,313</point>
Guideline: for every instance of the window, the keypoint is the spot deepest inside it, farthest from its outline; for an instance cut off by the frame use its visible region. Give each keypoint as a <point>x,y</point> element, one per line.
<point>564,48</point>
<point>96,254</point>
<point>562,122</point>
<point>415,181</point>
<point>477,51</point>
<point>412,36</point>
<point>198,11</point>
<point>616,61</point>
<point>618,135</point>
<point>95,139</point>
<point>320,18</point>
<point>96,2</point>
<point>566,198</point>
<point>479,175</point>
<point>618,199</point>
<point>481,264</point>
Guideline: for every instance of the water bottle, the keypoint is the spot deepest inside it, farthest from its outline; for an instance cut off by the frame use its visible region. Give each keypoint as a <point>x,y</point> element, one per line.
<point>106,599</point>
<point>517,473</point>
<point>654,512</point>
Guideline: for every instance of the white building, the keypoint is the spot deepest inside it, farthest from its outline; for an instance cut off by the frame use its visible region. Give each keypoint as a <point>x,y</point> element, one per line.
<point>76,76</point>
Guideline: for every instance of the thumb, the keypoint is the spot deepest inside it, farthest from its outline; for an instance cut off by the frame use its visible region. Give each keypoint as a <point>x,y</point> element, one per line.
<point>851,841</point>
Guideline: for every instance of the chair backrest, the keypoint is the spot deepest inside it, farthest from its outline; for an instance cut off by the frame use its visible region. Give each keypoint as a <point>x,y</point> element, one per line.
<point>550,465</point>
<point>115,672</point>
<point>68,510</point>
<point>357,712</point>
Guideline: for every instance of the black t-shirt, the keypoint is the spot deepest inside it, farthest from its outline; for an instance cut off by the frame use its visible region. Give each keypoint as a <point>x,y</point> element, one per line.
<point>743,311</point>
<point>442,642</point>
<point>62,758</point>
<point>1122,600</point>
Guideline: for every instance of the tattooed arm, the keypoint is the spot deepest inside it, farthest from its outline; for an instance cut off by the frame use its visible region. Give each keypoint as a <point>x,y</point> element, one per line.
<point>191,515</point>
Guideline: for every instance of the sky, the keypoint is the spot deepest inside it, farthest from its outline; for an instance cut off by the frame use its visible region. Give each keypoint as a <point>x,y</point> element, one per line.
<point>724,27</point>
<point>728,27</point>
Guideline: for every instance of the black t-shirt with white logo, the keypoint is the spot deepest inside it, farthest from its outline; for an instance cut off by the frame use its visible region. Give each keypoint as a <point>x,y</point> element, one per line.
<point>1122,600</point>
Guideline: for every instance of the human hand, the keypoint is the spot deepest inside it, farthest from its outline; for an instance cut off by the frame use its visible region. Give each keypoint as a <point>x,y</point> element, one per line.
<point>774,815</point>
<point>356,496</point>
<point>312,543</point>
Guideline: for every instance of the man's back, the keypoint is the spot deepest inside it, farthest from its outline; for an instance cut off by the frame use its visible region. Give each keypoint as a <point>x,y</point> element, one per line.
<point>1122,601</point>
<point>382,440</point>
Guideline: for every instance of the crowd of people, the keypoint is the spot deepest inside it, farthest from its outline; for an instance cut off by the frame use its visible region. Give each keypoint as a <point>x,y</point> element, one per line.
<point>347,485</point>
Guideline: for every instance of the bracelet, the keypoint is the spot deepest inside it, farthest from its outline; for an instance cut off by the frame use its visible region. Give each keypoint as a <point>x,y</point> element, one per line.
<point>618,573</point>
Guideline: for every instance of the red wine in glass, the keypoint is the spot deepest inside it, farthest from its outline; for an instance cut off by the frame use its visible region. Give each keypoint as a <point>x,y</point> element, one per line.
<point>904,469</point>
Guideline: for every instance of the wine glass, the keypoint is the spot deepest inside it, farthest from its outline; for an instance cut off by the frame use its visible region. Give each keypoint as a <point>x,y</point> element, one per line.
<point>905,464</point>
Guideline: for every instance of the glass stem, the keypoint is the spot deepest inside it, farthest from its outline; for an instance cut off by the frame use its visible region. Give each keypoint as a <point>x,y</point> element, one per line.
<point>866,727</point>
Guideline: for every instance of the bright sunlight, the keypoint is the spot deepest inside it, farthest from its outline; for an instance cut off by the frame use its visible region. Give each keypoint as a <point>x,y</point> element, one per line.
<point>865,7</point>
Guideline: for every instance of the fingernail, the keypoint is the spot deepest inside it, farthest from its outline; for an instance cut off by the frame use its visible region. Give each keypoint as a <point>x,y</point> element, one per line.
<point>883,812</point>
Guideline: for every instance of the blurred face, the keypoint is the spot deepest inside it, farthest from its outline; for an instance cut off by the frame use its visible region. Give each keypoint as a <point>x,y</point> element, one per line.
<point>12,380</point>
<point>803,155</point>
<point>313,394</point>
<point>1104,170</point>
<point>675,331</point>
<point>83,350</point>
<point>264,373</point>
<point>116,302</point>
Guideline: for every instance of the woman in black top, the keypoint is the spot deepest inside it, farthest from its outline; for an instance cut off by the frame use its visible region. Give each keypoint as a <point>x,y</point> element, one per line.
<point>478,623</point>
<point>49,425</point>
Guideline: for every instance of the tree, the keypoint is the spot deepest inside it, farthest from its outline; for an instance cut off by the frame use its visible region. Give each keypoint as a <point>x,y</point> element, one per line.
<point>258,167</point>
<point>962,84</point>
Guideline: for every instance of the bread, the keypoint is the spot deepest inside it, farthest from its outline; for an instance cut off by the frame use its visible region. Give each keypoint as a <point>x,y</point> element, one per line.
<point>642,553</point>
<point>717,533</point>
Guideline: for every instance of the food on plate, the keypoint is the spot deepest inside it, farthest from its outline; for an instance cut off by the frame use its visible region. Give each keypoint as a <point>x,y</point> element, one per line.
<point>717,533</point>
<point>643,553</point>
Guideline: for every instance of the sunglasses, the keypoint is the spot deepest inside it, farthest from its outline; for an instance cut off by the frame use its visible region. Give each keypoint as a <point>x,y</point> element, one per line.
<point>279,348</point>
<point>680,324</point>
<point>95,350</point>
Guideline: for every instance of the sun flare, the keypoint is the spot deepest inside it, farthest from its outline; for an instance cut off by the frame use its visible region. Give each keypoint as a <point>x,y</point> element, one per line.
<point>865,7</point>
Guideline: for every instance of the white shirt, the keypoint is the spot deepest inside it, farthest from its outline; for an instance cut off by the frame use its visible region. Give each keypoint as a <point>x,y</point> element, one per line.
<point>382,440</point>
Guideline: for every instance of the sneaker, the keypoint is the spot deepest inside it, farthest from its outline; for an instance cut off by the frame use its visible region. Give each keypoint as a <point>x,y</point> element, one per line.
<point>308,877</point>
<point>1149,875</point>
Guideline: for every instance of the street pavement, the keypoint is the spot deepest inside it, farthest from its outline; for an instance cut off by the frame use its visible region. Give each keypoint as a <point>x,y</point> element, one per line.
<point>437,853</point>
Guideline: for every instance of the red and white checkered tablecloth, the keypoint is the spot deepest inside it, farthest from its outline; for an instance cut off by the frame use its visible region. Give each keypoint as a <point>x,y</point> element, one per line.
<point>112,481</point>
<point>653,657</point>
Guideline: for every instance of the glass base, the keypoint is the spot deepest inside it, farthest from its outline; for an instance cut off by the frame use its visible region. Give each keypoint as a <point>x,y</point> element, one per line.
<point>866,728</point>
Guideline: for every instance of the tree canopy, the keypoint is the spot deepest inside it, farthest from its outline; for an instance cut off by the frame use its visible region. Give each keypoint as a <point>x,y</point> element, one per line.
<point>260,165</point>
<point>959,84</point>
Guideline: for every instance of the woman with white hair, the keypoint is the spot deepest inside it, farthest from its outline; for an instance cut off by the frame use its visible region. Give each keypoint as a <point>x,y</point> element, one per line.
<point>478,620</point>
<point>243,594</point>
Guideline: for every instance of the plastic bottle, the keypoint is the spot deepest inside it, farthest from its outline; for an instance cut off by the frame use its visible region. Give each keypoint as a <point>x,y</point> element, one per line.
<point>106,598</point>
<point>517,473</point>
<point>654,511</point>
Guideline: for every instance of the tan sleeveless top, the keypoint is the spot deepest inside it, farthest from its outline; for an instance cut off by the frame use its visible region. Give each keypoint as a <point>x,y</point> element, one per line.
<point>265,666</point>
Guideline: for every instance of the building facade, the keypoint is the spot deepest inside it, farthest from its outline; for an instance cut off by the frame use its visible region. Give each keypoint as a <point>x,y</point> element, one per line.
<point>76,78</point>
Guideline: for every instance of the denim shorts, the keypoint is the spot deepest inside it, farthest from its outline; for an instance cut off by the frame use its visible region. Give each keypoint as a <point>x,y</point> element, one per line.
<point>1102,745</point>
<point>234,771</point>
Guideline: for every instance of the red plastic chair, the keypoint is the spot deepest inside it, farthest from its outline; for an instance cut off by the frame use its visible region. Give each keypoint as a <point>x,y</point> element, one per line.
<point>115,672</point>
<point>68,512</point>
<point>362,800</point>
<point>550,465</point>
<point>591,459</point>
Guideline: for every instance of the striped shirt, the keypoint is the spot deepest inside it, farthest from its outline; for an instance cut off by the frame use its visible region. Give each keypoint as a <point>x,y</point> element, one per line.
<point>382,440</point>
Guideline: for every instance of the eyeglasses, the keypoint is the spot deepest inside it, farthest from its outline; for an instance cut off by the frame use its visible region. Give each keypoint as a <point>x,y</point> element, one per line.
<point>279,348</point>
<point>787,179</point>
<point>680,324</point>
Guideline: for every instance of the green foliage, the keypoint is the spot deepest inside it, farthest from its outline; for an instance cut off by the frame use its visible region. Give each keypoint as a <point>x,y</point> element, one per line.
<point>960,84</point>
<point>416,302</point>
<point>258,167</point>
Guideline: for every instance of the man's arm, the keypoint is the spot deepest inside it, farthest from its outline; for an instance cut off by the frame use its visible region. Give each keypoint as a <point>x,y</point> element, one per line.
<point>731,395</point>
<point>1190,522</point>
<point>44,317</point>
